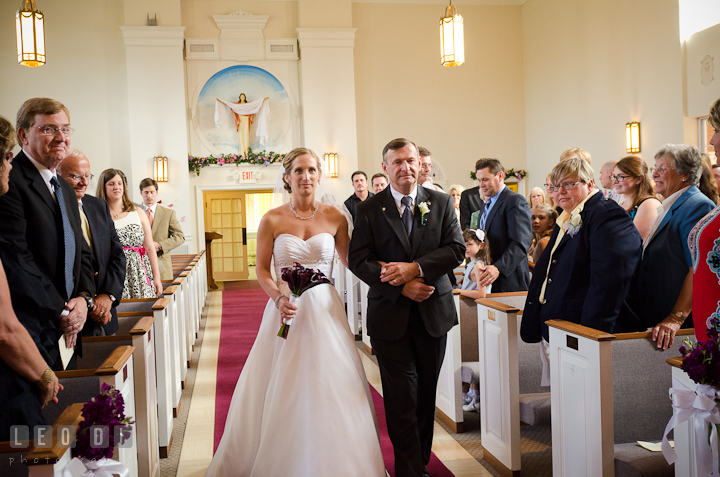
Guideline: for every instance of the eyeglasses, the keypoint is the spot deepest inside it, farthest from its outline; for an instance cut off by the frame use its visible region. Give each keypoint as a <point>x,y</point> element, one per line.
<point>659,170</point>
<point>77,177</point>
<point>564,185</point>
<point>618,177</point>
<point>66,131</point>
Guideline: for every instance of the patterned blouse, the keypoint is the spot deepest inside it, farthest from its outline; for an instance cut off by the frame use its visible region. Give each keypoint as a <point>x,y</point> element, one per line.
<point>704,242</point>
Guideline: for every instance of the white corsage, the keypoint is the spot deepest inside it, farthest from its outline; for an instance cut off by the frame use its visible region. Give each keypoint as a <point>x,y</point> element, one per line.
<point>424,210</point>
<point>573,224</point>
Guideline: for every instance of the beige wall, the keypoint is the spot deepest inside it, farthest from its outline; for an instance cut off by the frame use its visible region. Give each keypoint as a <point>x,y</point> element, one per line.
<point>166,12</point>
<point>197,16</point>
<point>590,67</point>
<point>85,70</point>
<point>460,114</point>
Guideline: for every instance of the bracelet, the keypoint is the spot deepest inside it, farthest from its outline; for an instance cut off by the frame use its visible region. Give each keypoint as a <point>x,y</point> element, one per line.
<point>277,299</point>
<point>677,317</point>
<point>47,377</point>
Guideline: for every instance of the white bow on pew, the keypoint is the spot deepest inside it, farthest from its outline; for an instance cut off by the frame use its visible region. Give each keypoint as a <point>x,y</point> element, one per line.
<point>702,406</point>
<point>93,468</point>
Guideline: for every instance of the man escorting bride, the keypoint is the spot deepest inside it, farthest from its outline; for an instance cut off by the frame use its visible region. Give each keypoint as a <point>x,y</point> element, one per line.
<point>406,240</point>
<point>302,406</point>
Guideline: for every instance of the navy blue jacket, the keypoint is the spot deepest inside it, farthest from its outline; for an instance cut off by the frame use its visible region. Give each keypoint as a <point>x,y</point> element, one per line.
<point>590,274</point>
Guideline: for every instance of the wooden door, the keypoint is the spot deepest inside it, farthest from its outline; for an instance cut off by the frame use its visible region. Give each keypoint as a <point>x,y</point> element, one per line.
<point>225,214</point>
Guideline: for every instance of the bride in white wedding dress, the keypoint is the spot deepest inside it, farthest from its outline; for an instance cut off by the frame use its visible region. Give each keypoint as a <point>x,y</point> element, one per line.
<point>302,406</point>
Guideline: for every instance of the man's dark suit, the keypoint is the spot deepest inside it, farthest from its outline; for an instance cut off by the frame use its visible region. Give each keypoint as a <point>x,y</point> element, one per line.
<point>470,202</point>
<point>31,221</point>
<point>408,337</point>
<point>590,274</point>
<point>108,259</point>
<point>509,232</point>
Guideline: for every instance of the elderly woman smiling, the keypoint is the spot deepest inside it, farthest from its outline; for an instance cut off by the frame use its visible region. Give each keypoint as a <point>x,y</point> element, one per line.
<point>585,272</point>
<point>663,296</point>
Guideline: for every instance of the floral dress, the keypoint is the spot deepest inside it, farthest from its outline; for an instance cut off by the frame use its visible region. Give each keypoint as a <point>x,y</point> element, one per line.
<point>704,242</point>
<point>139,275</point>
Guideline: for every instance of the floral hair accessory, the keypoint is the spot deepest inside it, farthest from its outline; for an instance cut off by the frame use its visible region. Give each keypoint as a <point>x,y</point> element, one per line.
<point>480,234</point>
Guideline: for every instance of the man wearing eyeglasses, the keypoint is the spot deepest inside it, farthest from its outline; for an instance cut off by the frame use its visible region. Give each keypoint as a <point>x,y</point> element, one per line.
<point>40,216</point>
<point>99,232</point>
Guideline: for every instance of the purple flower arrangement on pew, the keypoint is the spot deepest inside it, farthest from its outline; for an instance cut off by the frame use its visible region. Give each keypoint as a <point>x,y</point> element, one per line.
<point>106,410</point>
<point>701,360</point>
<point>299,280</point>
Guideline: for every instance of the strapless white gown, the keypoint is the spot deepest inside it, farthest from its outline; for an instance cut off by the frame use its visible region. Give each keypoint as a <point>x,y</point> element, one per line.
<point>302,406</point>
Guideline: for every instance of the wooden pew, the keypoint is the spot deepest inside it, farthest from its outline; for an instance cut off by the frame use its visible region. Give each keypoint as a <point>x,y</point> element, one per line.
<point>43,461</point>
<point>609,390</point>
<point>165,356</point>
<point>81,385</point>
<point>139,333</point>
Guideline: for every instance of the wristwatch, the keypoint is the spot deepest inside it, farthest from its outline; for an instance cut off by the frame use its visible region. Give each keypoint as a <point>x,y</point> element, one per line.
<point>89,300</point>
<point>677,314</point>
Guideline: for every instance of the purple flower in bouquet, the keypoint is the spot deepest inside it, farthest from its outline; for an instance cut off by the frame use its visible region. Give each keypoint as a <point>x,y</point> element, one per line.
<point>107,409</point>
<point>701,360</point>
<point>299,279</point>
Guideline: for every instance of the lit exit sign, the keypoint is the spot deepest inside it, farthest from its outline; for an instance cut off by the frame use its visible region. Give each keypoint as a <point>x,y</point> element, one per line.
<point>246,176</point>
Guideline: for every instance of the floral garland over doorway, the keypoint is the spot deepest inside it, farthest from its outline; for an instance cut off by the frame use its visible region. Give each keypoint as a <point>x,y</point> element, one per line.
<point>262,158</point>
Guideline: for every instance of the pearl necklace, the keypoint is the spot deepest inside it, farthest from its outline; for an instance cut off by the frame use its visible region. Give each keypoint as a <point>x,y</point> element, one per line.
<point>303,218</point>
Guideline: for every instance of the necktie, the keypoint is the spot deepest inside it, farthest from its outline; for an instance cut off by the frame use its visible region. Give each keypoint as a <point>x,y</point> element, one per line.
<point>85,226</point>
<point>407,215</point>
<point>68,238</point>
<point>485,213</point>
<point>150,217</point>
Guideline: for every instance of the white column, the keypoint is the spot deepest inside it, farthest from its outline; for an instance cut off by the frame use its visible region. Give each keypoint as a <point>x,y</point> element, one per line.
<point>327,89</point>
<point>157,114</point>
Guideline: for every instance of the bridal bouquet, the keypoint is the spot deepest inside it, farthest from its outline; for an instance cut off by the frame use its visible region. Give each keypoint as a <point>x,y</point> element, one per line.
<point>299,280</point>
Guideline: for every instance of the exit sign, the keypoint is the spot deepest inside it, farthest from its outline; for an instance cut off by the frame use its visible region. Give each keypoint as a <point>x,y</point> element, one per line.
<point>246,176</point>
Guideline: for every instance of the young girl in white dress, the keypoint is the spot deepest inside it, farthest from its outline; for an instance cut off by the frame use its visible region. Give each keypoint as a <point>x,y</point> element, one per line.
<point>302,405</point>
<point>477,250</point>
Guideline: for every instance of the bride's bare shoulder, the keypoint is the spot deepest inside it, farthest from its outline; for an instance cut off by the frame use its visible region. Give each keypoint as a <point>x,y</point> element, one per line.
<point>275,216</point>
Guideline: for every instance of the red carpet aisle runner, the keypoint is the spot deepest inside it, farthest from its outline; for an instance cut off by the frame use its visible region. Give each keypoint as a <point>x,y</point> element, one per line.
<point>241,316</point>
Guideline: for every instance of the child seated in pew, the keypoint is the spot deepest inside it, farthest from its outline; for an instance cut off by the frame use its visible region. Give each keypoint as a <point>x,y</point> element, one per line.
<point>477,250</point>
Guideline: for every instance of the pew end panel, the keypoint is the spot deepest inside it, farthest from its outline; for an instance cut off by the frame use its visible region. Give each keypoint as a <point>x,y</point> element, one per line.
<point>686,464</point>
<point>497,325</point>
<point>448,401</point>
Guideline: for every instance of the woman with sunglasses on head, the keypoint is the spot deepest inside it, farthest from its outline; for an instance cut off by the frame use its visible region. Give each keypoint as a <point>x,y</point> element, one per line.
<point>27,382</point>
<point>631,179</point>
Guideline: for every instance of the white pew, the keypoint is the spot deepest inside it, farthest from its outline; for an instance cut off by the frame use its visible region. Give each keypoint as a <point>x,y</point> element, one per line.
<point>165,356</point>
<point>686,464</point>
<point>353,300</point>
<point>448,400</point>
<point>364,289</point>
<point>609,390</point>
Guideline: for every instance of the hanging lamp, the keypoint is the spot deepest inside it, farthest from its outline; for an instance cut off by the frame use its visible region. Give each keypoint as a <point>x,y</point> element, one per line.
<point>452,42</point>
<point>30,29</point>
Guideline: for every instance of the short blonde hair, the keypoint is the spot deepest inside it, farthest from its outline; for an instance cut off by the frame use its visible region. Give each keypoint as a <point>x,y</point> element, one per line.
<point>456,187</point>
<point>575,152</point>
<point>573,167</point>
<point>714,117</point>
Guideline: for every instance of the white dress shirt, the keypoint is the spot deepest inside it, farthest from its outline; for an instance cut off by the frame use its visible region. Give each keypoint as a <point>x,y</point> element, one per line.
<point>397,196</point>
<point>45,173</point>
<point>662,212</point>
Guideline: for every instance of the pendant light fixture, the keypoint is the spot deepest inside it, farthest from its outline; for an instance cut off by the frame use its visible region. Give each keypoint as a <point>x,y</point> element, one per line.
<point>452,42</point>
<point>30,29</point>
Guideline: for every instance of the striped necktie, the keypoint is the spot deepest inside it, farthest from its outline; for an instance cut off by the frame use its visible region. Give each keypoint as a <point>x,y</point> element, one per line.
<point>68,238</point>
<point>485,213</point>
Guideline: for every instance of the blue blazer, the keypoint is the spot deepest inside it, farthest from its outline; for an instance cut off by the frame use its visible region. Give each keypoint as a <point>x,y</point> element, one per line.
<point>590,274</point>
<point>667,259</point>
<point>509,233</point>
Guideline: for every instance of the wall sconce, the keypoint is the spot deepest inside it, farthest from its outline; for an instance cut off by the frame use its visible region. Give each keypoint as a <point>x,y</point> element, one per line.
<point>160,168</point>
<point>331,163</point>
<point>30,29</point>
<point>632,137</point>
<point>452,43</point>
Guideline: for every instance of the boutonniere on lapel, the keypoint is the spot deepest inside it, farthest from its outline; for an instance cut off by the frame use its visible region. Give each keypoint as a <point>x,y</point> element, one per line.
<point>424,210</point>
<point>573,224</point>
